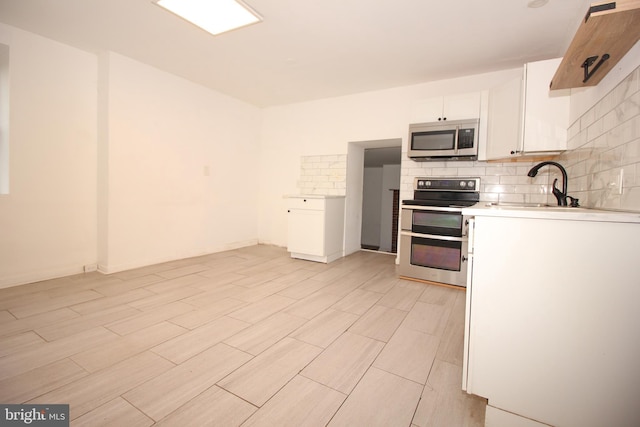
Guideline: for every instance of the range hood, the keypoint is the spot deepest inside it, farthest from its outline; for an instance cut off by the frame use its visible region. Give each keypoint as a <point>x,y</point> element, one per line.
<point>606,34</point>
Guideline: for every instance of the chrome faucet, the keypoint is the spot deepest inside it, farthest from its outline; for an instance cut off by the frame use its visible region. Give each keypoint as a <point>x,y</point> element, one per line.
<point>561,195</point>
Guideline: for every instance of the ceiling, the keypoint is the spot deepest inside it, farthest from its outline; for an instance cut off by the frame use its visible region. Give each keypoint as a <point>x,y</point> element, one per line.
<point>312,49</point>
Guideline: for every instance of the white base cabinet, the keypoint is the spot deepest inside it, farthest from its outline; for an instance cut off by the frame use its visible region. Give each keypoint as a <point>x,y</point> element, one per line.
<point>552,333</point>
<point>315,227</point>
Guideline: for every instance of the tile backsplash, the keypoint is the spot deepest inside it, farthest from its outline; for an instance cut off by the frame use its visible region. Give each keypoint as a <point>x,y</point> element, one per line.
<point>499,182</point>
<point>604,147</point>
<point>326,175</point>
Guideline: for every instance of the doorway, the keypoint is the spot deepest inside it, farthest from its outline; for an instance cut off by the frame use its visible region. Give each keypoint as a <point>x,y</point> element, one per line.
<point>373,173</point>
<point>381,185</point>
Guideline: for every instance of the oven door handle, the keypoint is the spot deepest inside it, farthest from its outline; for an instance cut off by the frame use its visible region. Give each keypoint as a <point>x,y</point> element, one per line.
<point>434,236</point>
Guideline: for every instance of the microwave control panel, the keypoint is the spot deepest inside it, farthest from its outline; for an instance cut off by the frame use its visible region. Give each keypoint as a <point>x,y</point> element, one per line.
<point>465,138</point>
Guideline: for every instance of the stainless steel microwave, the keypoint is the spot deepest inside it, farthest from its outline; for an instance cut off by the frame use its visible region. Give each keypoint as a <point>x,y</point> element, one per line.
<point>452,140</point>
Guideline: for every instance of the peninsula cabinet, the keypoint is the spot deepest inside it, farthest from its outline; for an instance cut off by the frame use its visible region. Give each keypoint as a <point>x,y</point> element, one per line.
<point>525,117</point>
<point>315,227</point>
<point>552,322</point>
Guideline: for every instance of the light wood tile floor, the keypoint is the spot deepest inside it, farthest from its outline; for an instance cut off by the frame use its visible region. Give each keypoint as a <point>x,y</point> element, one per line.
<point>245,337</point>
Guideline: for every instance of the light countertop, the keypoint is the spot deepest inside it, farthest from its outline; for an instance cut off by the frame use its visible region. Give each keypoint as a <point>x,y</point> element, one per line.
<point>552,212</point>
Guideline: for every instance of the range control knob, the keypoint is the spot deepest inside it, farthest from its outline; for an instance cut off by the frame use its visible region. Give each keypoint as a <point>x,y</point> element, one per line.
<point>463,184</point>
<point>471,184</point>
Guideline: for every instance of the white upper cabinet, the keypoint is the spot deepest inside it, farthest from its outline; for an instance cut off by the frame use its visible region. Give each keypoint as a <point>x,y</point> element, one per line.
<point>525,117</point>
<point>546,113</point>
<point>453,107</point>
<point>504,119</point>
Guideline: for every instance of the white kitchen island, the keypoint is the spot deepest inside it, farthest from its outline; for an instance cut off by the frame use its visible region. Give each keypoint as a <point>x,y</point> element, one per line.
<point>553,329</point>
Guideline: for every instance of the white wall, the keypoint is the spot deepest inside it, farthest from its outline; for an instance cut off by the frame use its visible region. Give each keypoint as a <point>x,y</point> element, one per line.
<point>181,175</point>
<point>353,203</point>
<point>48,219</point>
<point>116,163</point>
<point>326,127</point>
<point>4,119</point>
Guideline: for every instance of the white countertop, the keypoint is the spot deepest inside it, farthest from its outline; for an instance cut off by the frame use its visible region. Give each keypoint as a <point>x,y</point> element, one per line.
<point>552,212</point>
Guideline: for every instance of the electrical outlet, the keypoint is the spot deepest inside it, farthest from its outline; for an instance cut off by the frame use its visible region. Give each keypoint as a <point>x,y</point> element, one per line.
<point>90,267</point>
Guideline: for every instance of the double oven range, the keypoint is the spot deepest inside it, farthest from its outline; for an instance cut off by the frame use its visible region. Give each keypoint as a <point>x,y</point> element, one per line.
<point>434,233</point>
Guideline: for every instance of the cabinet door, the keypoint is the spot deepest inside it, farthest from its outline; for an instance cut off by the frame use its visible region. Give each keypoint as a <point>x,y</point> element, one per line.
<point>546,113</point>
<point>462,106</point>
<point>452,107</point>
<point>427,110</point>
<point>505,120</point>
<point>306,231</point>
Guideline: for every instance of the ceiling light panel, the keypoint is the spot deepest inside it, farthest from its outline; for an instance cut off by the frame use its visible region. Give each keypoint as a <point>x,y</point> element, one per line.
<point>213,16</point>
<point>533,4</point>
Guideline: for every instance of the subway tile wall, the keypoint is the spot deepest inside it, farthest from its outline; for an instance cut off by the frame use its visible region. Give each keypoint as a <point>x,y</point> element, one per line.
<point>325,175</point>
<point>499,182</point>
<point>604,147</point>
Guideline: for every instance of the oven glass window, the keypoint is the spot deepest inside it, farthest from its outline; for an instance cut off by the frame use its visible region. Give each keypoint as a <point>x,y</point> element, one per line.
<point>437,219</point>
<point>433,140</point>
<point>442,254</point>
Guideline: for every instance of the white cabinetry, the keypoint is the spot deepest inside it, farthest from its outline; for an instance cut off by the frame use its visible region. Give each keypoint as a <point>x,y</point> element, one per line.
<point>315,227</point>
<point>552,332</point>
<point>505,119</point>
<point>452,107</point>
<point>546,112</point>
<point>525,117</point>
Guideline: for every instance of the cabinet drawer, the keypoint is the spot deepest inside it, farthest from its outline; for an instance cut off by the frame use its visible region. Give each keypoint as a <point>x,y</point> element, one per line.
<point>305,203</point>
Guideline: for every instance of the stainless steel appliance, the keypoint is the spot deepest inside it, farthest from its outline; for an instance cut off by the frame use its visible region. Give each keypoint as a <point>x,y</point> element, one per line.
<point>434,233</point>
<point>451,140</point>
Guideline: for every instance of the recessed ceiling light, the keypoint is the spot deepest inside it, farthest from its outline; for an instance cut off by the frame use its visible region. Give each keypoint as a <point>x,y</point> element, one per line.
<point>213,16</point>
<point>537,3</point>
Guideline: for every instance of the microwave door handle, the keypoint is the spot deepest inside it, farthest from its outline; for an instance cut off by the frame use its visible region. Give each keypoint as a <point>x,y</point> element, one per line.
<point>455,141</point>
